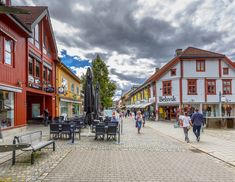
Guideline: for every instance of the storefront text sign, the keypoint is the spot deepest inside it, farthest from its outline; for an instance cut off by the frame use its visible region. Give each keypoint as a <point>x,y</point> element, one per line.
<point>167,99</point>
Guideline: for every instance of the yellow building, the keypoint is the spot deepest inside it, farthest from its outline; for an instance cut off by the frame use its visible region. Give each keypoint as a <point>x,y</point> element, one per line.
<point>68,97</point>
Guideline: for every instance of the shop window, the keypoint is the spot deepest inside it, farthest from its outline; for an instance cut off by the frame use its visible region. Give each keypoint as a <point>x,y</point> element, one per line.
<point>173,72</point>
<point>75,109</point>
<point>64,108</point>
<point>166,88</point>
<point>211,87</point>
<point>192,87</point>
<point>227,87</point>
<point>6,109</point>
<point>225,71</point>
<point>200,65</point>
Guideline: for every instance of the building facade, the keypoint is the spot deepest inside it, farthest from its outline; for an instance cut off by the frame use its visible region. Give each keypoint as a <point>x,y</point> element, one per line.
<point>13,53</point>
<point>68,96</point>
<point>40,62</point>
<point>196,78</point>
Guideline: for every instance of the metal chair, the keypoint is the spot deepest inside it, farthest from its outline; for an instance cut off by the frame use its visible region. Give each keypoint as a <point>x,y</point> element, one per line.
<point>100,131</point>
<point>54,130</point>
<point>66,130</point>
<point>112,131</point>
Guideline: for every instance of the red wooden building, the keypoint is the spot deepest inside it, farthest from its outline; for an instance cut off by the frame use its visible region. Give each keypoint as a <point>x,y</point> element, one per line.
<point>28,56</point>
<point>13,54</point>
<point>40,62</point>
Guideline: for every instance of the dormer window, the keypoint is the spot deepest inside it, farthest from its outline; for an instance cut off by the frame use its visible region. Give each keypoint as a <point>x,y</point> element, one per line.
<point>173,72</point>
<point>225,71</point>
<point>200,65</point>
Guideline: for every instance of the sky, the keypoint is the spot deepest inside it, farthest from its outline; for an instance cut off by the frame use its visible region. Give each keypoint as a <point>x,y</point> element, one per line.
<point>134,37</point>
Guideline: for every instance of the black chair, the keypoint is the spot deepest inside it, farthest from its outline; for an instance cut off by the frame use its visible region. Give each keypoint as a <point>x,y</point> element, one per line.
<point>112,131</point>
<point>66,130</point>
<point>100,131</point>
<point>54,130</point>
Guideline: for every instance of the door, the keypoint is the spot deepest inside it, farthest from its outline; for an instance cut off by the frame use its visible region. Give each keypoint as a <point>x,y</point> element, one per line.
<point>35,110</point>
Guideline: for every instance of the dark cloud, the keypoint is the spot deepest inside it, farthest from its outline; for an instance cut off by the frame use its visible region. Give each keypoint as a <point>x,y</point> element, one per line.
<point>111,26</point>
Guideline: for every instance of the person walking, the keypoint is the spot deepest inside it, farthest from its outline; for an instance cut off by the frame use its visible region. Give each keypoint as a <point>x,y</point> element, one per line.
<point>139,120</point>
<point>186,122</point>
<point>197,121</point>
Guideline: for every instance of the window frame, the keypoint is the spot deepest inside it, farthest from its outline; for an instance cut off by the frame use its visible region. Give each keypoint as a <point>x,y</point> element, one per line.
<point>189,85</point>
<point>166,87</point>
<point>173,70</point>
<point>12,53</point>
<point>200,63</point>
<point>207,83</point>
<point>230,86</point>
<point>226,72</point>
<point>39,63</point>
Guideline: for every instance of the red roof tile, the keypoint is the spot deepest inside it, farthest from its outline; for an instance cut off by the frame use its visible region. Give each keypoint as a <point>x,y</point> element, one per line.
<point>29,19</point>
<point>192,52</point>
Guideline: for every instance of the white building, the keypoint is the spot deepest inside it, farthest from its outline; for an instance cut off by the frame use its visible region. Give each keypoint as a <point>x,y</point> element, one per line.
<point>196,78</point>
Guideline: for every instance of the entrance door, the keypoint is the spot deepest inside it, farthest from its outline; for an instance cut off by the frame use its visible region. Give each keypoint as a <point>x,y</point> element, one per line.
<point>35,110</point>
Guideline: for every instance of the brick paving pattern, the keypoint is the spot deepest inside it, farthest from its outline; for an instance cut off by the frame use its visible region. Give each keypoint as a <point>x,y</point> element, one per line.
<point>150,156</point>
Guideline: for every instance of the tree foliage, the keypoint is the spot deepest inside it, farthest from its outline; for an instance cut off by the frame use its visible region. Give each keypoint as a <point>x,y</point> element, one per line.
<point>101,75</point>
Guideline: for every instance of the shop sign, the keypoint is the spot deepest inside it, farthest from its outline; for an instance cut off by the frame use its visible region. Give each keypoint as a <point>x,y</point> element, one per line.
<point>61,90</point>
<point>167,99</point>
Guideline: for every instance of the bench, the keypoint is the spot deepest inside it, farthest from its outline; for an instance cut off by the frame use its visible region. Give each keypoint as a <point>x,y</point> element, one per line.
<point>34,139</point>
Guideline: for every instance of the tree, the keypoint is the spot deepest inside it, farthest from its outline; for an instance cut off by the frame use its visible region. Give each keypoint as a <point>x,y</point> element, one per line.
<point>101,75</point>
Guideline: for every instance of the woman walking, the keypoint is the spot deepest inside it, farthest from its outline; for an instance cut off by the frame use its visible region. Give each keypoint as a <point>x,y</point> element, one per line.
<point>139,120</point>
<point>186,122</point>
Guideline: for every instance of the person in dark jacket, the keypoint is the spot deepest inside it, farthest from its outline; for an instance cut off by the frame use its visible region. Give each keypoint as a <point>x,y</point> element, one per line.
<point>197,121</point>
<point>46,116</point>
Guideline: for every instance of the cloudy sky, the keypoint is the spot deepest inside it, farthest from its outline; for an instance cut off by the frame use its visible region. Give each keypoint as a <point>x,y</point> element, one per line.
<point>133,37</point>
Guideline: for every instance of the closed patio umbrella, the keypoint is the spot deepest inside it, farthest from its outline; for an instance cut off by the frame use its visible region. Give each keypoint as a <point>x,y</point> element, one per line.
<point>97,101</point>
<point>89,97</point>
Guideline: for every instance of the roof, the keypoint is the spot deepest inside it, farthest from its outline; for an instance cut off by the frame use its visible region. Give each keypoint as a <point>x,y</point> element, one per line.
<point>70,72</point>
<point>192,52</point>
<point>29,19</point>
<point>189,53</point>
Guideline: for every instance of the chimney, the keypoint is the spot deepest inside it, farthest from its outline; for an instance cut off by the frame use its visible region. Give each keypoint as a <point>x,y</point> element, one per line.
<point>156,69</point>
<point>178,52</point>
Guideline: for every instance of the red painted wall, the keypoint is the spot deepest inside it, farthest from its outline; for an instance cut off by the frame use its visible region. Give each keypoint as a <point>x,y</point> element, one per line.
<point>11,75</point>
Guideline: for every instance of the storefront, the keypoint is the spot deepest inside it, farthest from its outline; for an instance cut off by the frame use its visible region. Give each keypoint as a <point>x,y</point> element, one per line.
<point>69,108</point>
<point>211,110</point>
<point>9,96</point>
<point>167,112</point>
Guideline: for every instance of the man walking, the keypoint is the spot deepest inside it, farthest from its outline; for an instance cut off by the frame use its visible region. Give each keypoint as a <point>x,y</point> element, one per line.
<point>197,121</point>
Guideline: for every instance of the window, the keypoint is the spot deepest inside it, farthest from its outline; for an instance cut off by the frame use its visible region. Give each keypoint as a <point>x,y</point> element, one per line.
<point>77,91</point>
<point>225,71</point>
<point>30,66</point>
<point>1,48</point>
<point>8,56</point>
<point>192,87</point>
<point>6,109</point>
<point>227,87</point>
<point>37,74</point>
<point>211,87</point>
<point>36,36</point>
<point>173,72</point>
<point>72,88</point>
<point>49,75</point>
<point>166,88</point>
<point>200,65</point>
<point>44,73</point>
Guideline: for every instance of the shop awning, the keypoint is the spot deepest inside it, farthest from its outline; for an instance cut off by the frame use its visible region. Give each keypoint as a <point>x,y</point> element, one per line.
<point>146,104</point>
<point>71,101</point>
<point>11,88</point>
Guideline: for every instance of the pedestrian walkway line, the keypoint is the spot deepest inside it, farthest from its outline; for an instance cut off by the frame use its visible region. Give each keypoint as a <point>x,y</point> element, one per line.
<point>210,153</point>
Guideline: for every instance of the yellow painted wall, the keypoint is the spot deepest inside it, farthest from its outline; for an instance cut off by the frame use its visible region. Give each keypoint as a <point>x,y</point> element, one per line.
<point>63,73</point>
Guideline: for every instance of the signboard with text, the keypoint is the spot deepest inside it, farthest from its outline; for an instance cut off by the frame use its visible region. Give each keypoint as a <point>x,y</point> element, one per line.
<point>167,99</point>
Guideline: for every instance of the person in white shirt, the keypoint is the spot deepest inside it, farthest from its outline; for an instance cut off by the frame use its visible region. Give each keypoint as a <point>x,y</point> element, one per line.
<point>186,122</point>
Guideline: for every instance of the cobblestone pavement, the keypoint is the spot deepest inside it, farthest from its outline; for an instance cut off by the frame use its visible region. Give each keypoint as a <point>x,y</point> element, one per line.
<point>215,142</point>
<point>150,156</point>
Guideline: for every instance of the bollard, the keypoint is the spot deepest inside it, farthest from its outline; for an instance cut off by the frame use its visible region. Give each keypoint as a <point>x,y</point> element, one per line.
<point>118,134</point>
